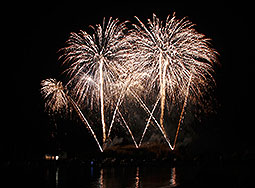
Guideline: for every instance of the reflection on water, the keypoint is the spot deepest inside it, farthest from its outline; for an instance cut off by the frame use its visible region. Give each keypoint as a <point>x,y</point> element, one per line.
<point>94,177</point>
<point>101,178</point>
<point>173,177</point>
<point>63,175</point>
<point>137,184</point>
<point>57,170</point>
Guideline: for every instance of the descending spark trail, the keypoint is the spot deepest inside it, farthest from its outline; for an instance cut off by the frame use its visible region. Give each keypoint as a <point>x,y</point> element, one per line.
<point>130,132</point>
<point>85,121</point>
<point>183,108</point>
<point>162,89</point>
<point>124,121</point>
<point>114,114</point>
<point>148,122</point>
<point>148,111</point>
<point>102,99</point>
<point>57,100</point>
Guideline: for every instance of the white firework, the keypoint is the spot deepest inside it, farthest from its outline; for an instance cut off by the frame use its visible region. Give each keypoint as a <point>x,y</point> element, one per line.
<point>54,96</point>
<point>166,60</point>
<point>171,53</point>
<point>95,64</point>
<point>57,100</point>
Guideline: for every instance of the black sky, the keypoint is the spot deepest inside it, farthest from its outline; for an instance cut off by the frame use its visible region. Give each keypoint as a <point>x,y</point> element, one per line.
<point>40,30</point>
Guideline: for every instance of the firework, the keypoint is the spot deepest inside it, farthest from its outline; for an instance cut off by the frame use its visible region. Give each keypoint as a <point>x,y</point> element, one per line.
<point>165,60</point>
<point>54,95</point>
<point>170,52</point>
<point>95,63</point>
<point>57,100</point>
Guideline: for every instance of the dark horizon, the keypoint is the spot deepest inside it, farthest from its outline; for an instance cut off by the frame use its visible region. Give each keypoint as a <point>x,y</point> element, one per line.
<point>43,30</point>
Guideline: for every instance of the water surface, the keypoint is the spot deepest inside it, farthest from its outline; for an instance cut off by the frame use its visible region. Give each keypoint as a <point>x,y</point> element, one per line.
<point>84,176</point>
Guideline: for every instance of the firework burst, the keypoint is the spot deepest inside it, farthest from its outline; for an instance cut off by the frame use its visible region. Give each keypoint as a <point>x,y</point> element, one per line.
<point>171,53</point>
<point>54,96</point>
<point>95,63</point>
<point>57,100</point>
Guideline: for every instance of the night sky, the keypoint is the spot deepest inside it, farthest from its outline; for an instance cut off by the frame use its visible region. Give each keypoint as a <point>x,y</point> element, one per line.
<point>40,30</point>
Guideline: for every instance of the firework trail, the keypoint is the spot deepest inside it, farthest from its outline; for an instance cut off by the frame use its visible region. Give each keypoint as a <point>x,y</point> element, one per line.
<point>148,122</point>
<point>151,115</point>
<point>102,99</point>
<point>130,132</point>
<point>162,82</point>
<point>96,60</point>
<point>114,114</point>
<point>170,52</point>
<point>123,119</point>
<point>125,83</point>
<point>85,121</point>
<point>57,100</point>
<point>181,116</point>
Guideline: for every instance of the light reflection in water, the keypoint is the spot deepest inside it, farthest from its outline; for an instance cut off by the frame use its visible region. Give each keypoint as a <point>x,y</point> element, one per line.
<point>94,177</point>
<point>137,183</point>
<point>173,182</point>
<point>137,177</point>
<point>57,171</point>
<point>101,178</point>
<point>91,171</point>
